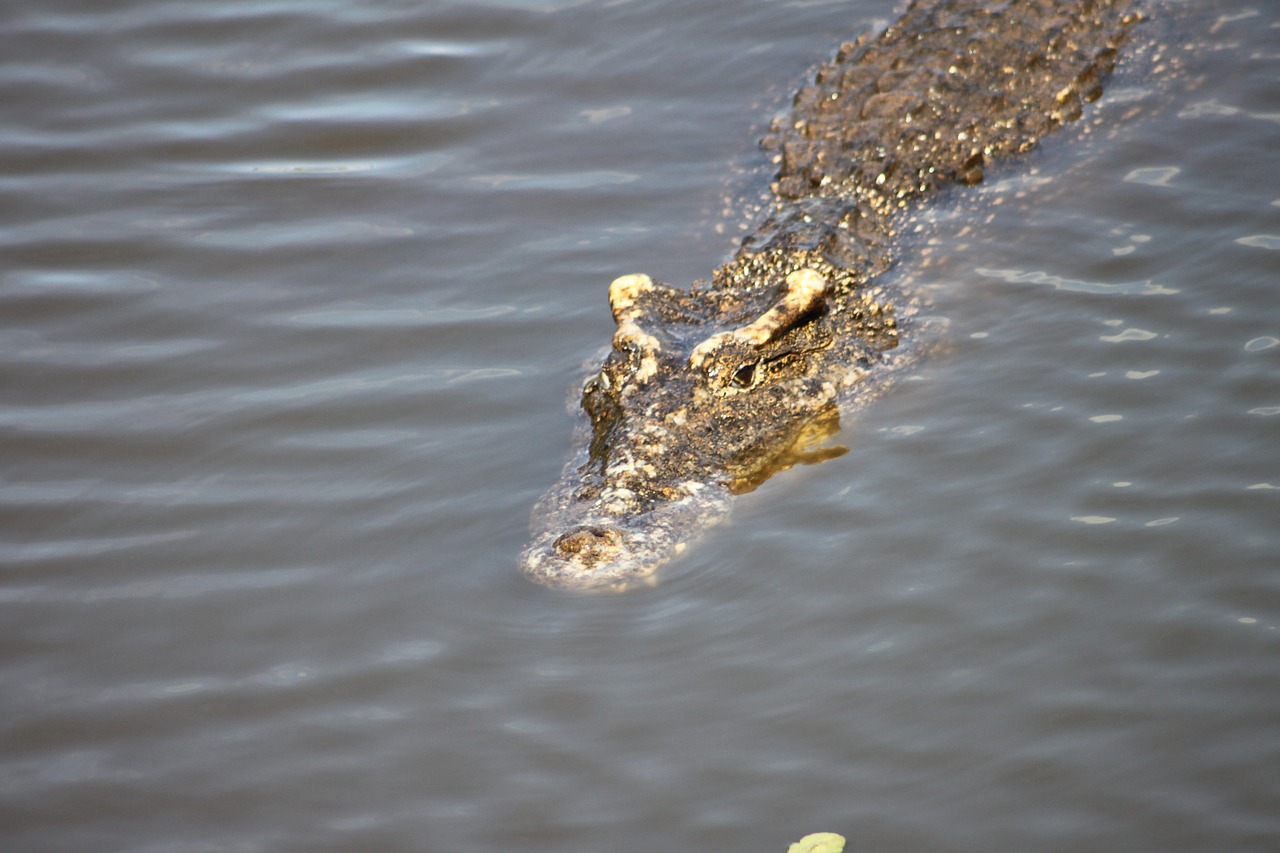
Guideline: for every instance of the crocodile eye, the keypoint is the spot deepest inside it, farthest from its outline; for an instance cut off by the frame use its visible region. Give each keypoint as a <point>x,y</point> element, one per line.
<point>744,376</point>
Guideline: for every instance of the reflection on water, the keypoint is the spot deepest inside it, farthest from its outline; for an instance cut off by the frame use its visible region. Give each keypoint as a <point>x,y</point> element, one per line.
<point>292,301</point>
<point>811,446</point>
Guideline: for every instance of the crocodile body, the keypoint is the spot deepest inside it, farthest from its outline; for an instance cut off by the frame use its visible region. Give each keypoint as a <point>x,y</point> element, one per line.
<point>708,391</point>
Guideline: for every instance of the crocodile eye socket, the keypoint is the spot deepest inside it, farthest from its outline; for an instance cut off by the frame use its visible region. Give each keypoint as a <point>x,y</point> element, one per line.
<point>745,376</point>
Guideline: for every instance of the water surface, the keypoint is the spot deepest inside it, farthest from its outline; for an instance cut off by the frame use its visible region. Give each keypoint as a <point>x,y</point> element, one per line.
<point>293,294</point>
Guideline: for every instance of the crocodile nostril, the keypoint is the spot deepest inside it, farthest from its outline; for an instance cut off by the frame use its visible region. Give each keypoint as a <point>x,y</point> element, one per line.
<point>589,544</point>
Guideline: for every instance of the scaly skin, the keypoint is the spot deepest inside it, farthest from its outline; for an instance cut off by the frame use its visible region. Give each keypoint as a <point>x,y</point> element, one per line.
<point>709,391</point>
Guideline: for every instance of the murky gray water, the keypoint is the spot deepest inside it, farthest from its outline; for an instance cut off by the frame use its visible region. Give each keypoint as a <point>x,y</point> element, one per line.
<point>291,297</point>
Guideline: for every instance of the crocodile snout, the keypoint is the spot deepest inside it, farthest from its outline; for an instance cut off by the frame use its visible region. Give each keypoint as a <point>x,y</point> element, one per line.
<point>597,552</point>
<point>589,545</point>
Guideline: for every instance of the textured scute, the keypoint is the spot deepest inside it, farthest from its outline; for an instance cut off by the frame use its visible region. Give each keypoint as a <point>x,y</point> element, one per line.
<point>898,115</point>
<point>707,392</point>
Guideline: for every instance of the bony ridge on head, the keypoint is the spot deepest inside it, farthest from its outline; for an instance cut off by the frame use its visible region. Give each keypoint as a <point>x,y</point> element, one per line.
<point>804,290</point>
<point>624,294</point>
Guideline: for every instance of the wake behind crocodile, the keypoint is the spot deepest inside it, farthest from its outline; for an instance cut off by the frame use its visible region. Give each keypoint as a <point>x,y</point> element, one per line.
<point>707,392</point>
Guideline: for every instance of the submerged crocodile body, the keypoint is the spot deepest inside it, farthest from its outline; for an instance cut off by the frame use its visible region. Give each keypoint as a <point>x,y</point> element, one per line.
<point>708,391</point>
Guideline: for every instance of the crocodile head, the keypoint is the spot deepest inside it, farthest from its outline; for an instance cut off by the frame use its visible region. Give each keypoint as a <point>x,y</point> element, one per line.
<point>704,395</point>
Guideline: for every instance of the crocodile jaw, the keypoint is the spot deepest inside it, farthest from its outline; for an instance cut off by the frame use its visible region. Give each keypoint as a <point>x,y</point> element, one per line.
<point>590,549</point>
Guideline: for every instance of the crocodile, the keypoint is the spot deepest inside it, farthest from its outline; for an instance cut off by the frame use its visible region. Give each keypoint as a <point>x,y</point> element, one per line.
<point>708,391</point>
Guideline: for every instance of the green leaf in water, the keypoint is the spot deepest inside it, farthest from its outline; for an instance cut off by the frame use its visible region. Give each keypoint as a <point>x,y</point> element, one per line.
<point>819,842</point>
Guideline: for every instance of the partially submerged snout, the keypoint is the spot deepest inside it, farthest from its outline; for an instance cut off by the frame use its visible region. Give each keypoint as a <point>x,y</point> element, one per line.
<point>594,557</point>
<point>589,545</point>
<point>595,552</point>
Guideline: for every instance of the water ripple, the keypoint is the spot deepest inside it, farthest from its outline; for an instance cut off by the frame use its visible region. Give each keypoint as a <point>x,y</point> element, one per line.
<point>1137,288</point>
